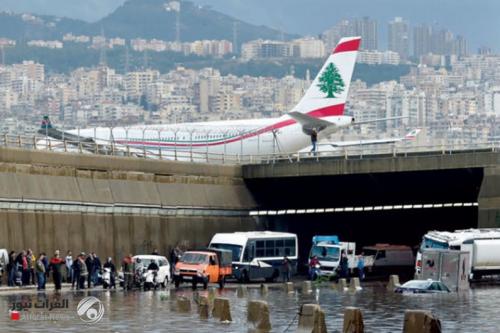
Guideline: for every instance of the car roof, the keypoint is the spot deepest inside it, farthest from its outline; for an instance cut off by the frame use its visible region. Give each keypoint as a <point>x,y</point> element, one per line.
<point>388,247</point>
<point>201,252</point>
<point>149,256</point>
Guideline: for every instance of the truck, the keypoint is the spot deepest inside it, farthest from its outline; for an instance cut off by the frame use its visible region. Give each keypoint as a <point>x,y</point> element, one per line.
<point>328,250</point>
<point>483,246</point>
<point>391,259</point>
<point>206,266</point>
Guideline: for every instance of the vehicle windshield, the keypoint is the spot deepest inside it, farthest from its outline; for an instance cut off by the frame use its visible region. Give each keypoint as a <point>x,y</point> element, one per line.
<point>417,284</point>
<point>235,249</point>
<point>194,258</point>
<point>331,253</point>
<point>144,262</point>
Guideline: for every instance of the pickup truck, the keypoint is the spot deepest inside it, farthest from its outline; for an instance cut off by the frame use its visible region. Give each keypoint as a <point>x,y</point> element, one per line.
<point>208,266</point>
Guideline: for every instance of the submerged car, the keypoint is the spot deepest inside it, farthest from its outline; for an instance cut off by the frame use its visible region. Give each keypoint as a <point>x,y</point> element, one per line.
<point>422,287</point>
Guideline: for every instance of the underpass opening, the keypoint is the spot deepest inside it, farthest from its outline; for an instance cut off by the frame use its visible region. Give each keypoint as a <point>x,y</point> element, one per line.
<point>404,227</point>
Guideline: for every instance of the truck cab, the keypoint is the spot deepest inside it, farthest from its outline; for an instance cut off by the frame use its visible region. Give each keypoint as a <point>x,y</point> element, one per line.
<point>210,266</point>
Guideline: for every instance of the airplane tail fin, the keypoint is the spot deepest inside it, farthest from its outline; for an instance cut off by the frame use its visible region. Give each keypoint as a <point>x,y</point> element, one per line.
<point>328,92</point>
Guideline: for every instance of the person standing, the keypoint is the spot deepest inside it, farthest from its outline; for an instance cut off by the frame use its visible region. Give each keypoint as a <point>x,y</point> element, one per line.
<point>286,269</point>
<point>109,264</point>
<point>76,272</point>
<point>69,267</point>
<point>128,272</point>
<point>22,263</point>
<point>55,265</point>
<point>11,269</point>
<point>40,272</point>
<point>344,265</point>
<point>313,262</point>
<point>89,262</point>
<point>84,272</point>
<point>361,266</point>
<point>314,140</point>
<point>96,269</point>
<point>31,259</point>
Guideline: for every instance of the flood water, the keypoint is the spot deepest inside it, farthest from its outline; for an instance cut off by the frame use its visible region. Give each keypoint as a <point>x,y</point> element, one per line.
<point>474,311</point>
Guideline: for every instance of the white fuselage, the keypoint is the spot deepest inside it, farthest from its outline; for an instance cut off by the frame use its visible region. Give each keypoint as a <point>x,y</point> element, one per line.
<point>231,137</point>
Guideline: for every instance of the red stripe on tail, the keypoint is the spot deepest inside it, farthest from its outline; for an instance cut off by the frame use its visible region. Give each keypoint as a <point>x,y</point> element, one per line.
<point>352,45</point>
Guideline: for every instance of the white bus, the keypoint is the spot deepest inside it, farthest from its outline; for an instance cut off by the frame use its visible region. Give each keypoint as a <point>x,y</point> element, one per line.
<point>258,254</point>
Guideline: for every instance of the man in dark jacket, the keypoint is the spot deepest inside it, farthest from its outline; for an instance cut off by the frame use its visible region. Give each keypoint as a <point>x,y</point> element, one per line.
<point>96,269</point>
<point>76,269</point>
<point>11,269</point>
<point>89,262</point>
<point>109,264</point>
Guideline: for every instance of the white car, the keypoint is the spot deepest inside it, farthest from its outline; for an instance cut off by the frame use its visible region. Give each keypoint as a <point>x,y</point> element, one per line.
<point>163,277</point>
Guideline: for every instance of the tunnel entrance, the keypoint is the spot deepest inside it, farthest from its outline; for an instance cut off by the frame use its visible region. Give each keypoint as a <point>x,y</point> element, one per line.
<point>367,228</point>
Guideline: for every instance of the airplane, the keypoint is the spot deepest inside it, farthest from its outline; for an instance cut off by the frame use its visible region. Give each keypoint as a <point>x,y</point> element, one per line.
<point>321,108</point>
<point>324,147</point>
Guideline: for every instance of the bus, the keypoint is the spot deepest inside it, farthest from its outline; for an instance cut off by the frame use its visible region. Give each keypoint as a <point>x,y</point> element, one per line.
<point>258,254</point>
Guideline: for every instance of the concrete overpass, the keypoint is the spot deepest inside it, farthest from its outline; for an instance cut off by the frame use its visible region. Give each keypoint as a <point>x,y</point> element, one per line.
<point>391,198</point>
<point>115,205</point>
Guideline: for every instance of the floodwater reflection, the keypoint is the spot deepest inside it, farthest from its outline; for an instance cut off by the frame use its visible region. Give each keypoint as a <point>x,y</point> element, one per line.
<point>154,311</point>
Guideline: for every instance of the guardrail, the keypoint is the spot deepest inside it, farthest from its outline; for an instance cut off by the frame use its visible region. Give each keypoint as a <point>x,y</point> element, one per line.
<point>197,155</point>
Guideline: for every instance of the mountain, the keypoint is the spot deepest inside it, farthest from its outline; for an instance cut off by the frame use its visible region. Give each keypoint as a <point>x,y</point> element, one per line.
<point>139,19</point>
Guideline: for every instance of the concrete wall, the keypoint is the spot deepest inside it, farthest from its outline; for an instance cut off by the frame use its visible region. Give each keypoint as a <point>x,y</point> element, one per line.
<point>111,235</point>
<point>78,202</point>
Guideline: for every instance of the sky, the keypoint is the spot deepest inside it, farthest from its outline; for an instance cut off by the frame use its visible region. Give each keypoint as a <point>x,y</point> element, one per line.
<point>474,19</point>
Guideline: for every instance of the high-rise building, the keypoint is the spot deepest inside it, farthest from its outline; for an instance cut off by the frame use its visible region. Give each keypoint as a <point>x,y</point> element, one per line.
<point>368,30</point>
<point>398,37</point>
<point>422,36</point>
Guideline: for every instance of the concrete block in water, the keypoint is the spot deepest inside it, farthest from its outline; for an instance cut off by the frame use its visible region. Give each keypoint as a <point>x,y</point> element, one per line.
<point>258,316</point>
<point>242,291</point>
<point>222,309</point>
<point>288,287</point>
<point>311,319</point>
<point>355,285</point>
<point>353,321</point>
<point>342,285</point>
<point>306,287</point>
<point>393,282</point>
<point>183,304</point>
<point>421,321</point>
<point>203,307</point>
<point>264,289</point>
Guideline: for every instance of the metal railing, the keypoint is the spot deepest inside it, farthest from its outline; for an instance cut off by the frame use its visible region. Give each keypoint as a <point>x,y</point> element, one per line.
<point>194,155</point>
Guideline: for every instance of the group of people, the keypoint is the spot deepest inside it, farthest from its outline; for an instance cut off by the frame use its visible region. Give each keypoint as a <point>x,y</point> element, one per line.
<point>343,268</point>
<point>24,268</point>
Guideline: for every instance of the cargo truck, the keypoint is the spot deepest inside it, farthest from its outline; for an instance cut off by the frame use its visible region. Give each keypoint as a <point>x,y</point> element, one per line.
<point>328,250</point>
<point>483,246</point>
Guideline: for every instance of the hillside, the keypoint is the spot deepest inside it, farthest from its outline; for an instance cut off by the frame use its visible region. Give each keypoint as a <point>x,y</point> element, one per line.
<point>138,19</point>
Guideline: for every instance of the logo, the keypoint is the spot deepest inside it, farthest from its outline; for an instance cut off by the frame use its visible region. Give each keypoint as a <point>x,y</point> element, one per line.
<point>90,310</point>
<point>15,315</point>
<point>330,81</point>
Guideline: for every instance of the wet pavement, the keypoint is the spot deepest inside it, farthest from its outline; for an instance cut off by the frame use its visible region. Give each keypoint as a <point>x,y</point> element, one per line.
<point>137,311</point>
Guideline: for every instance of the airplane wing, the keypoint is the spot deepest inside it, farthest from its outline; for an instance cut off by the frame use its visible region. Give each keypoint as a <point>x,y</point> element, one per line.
<point>376,120</point>
<point>412,135</point>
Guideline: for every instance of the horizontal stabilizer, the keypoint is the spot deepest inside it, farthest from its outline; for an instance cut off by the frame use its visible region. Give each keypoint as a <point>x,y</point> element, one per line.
<point>308,122</point>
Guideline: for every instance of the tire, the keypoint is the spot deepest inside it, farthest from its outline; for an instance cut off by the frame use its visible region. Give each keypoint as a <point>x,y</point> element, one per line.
<point>105,285</point>
<point>194,284</point>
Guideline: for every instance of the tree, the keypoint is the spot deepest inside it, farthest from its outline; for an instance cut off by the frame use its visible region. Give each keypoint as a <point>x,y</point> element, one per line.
<point>330,82</point>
